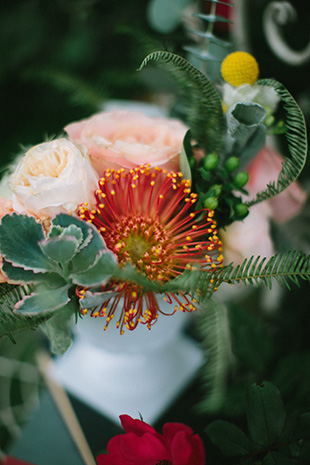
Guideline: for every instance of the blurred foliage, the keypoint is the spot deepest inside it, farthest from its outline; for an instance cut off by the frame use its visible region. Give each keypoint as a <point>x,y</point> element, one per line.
<point>61,59</point>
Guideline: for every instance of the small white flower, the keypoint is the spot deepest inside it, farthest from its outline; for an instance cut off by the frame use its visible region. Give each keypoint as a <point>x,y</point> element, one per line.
<point>263,95</point>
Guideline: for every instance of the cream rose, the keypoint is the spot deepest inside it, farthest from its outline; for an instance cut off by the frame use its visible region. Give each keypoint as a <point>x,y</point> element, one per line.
<point>53,177</point>
<point>124,138</point>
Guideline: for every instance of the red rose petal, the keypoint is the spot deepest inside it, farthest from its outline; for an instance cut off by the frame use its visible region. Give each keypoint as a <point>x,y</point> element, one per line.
<point>138,427</point>
<point>148,449</point>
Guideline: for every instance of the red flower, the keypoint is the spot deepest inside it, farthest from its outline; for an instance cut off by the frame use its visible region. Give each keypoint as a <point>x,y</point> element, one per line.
<point>147,218</point>
<point>142,445</point>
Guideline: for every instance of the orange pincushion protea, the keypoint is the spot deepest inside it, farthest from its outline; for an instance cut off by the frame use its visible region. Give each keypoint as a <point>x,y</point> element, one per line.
<point>146,217</point>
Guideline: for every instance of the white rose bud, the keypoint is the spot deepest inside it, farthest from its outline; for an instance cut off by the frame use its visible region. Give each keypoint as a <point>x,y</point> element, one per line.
<point>53,177</point>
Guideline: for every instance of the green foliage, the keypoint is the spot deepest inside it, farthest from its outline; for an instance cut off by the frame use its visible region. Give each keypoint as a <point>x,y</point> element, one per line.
<point>72,253</point>
<point>251,343</point>
<point>80,91</point>
<point>204,50</point>
<point>246,131</point>
<point>265,414</point>
<point>287,268</point>
<point>268,440</point>
<point>57,330</point>
<point>186,157</point>
<point>214,331</point>
<point>297,143</point>
<point>13,322</point>
<point>204,112</point>
<point>231,440</point>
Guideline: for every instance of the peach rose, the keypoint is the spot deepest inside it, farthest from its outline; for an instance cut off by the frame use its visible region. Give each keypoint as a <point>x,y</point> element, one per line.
<point>125,138</point>
<point>53,177</point>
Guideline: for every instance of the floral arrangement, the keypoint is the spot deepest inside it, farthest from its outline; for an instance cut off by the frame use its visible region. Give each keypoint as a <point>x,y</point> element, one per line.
<point>126,210</point>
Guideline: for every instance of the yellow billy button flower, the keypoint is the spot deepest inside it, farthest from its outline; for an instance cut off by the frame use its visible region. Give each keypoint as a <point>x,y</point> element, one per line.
<point>240,68</point>
<point>147,218</point>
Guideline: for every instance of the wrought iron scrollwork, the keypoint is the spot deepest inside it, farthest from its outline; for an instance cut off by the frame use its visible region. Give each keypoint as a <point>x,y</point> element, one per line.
<point>275,16</point>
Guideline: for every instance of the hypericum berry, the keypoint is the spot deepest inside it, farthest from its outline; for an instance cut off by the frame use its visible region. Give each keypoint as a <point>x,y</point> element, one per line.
<point>232,164</point>
<point>241,211</point>
<point>241,179</point>
<point>210,203</point>
<point>211,162</point>
<point>215,190</point>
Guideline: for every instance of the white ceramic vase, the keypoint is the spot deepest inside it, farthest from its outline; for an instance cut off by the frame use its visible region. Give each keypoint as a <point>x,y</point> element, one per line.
<point>142,371</point>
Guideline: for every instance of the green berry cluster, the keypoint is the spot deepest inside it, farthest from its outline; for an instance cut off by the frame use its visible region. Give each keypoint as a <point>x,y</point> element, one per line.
<point>218,184</point>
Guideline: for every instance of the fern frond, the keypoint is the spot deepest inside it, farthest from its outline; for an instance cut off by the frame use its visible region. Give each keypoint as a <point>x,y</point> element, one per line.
<point>205,114</point>
<point>10,321</point>
<point>214,330</point>
<point>296,136</point>
<point>284,268</point>
<point>80,91</point>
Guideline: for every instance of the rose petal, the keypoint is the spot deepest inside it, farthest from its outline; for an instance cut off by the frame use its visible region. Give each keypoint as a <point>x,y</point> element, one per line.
<point>139,427</point>
<point>123,138</point>
<point>147,448</point>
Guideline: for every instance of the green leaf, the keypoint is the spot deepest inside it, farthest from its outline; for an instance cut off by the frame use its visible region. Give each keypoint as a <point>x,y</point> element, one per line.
<point>274,458</point>
<point>12,322</point>
<point>43,300</point>
<point>204,112</point>
<point>165,15</point>
<point>21,275</point>
<point>60,249</point>
<point>284,268</point>
<point>57,330</point>
<point>19,242</point>
<point>65,223</point>
<point>265,413</point>
<point>296,137</point>
<point>184,164</point>
<point>71,230</point>
<point>99,272</point>
<point>292,375</point>
<point>95,299</point>
<point>246,131</point>
<point>214,329</point>
<point>251,343</point>
<point>90,246</point>
<point>230,439</point>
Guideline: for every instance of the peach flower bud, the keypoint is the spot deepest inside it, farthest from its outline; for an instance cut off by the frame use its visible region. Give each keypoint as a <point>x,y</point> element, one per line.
<point>125,139</point>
